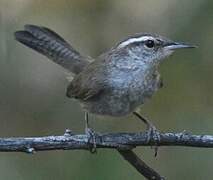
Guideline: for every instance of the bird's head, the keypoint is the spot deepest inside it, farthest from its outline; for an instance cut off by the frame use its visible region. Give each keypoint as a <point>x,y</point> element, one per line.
<point>150,47</point>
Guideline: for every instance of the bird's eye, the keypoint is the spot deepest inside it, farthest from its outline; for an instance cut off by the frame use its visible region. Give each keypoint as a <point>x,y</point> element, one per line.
<point>149,43</point>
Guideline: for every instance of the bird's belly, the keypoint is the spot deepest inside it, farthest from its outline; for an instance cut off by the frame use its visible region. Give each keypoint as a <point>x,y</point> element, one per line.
<point>122,100</point>
<point>117,103</point>
<point>109,104</point>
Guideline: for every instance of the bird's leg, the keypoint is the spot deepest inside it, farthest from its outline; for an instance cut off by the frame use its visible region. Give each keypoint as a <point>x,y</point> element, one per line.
<point>90,133</point>
<point>152,131</point>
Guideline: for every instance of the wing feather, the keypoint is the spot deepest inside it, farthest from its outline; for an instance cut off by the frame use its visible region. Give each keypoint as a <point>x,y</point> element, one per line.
<point>89,83</point>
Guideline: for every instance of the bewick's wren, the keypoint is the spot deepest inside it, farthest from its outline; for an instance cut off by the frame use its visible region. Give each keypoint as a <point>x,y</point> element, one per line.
<point>117,81</point>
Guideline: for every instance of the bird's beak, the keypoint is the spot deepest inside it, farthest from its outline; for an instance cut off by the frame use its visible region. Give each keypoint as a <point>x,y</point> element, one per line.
<point>178,45</point>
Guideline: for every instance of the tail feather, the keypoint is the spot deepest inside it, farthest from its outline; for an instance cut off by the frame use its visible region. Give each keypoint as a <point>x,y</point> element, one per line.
<point>39,31</point>
<point>50,44</point>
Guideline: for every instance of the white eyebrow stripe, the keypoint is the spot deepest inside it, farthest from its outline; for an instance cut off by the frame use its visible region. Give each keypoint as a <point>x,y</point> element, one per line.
<point>132,40</point>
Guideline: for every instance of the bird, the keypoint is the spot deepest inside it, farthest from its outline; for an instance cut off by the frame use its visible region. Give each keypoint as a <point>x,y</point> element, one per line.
<point>116,82</point>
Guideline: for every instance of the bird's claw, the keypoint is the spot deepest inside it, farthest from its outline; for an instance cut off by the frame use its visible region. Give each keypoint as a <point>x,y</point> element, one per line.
<point>153,135</point>
<point>91,140</point>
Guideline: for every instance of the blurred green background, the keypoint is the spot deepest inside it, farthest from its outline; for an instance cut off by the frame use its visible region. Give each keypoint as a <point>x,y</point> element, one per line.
<point>32,89</point>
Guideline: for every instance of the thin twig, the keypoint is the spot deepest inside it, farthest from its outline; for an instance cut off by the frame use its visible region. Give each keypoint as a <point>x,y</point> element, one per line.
<point>140,165</point>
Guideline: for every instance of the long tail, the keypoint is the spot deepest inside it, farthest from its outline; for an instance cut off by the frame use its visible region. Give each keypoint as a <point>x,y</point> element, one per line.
<point>50,44</point>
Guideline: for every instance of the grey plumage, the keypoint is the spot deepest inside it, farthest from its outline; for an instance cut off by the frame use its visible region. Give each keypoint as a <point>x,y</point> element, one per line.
<point>117,81</point>
<point>115,86</point>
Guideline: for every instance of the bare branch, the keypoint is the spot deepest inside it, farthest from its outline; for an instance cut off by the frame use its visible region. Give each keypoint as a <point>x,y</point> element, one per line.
<point>140,165</point>
<point>123,142</point>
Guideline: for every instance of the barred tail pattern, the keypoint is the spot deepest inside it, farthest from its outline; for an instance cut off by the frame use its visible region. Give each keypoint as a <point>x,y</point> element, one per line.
<point>50,44</point>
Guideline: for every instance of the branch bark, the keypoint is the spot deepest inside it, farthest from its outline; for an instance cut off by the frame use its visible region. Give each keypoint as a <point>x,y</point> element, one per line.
<point>123,142</point>
<point>140,165</point>
<point>120,141</point>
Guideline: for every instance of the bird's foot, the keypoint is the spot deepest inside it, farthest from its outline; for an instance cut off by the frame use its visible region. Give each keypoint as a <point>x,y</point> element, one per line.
<point>153,135</point>
<point>91,140</point>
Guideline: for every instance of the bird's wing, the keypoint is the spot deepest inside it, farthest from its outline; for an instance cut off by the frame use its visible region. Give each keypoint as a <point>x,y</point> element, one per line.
<point>89,83</point>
